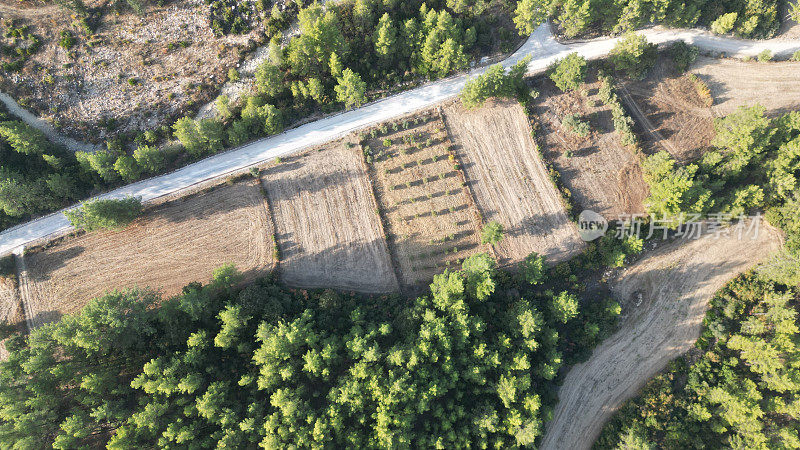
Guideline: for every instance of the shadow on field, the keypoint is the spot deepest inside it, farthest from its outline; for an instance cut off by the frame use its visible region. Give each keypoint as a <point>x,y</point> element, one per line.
<point>54,260</point>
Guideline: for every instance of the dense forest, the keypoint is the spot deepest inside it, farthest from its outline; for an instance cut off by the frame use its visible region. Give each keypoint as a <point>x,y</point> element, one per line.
<point>473,363</point>
<point>740,386</point>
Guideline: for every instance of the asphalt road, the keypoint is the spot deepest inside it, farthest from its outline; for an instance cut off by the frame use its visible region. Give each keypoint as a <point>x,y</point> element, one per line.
<point>540,45</point>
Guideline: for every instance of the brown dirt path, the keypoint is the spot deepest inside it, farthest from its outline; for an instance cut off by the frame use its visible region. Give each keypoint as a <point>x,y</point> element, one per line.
<point>665,297</point>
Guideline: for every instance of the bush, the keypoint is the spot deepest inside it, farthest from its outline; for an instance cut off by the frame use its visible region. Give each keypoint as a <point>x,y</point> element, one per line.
<point>151,159</point>
<point>233,75</point>
<point>796,56</point>
<point>569,73</point>
<point>724,23</point>
<point>105,214</point>
<point>573,123</point>
<point>765,56</point>
<point>633,55</point>
<point>495,82</point>
<point>67,40</point>
<point>492,233</point>
<point>683,55</point>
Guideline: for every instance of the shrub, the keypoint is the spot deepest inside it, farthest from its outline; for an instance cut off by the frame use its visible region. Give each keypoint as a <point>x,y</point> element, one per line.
<point>683,55</point>
<point>796,56</point>
<point>105,214</point>
<point>66,40</point>
<point>495,83</point>
<point>573,123</point>
<point>233,75</point>
<point>765,56</point>
<point>724,23</point>
<point>569,73</point>
<point>492,233</point>
<point>151,159</point>
<point>633,55</point>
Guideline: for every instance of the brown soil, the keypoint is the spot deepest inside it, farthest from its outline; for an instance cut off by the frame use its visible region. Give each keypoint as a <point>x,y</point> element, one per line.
<point>169,247</point>
<point>328,228</point>
<point>734,83</point>
<point>510,183</point>
<point>428,213</point>
<point>601,174</point>
<point>675,117</point>
<point>10,308</point>
<point>82,87</point>
<point>664,296</point>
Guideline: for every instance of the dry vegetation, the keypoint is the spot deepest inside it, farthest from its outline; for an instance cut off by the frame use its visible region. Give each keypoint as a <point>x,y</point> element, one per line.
<point>137,70</point>
<point>676,118</point>
<point>170,246</point>
<point>734,83</point>
<point>10,307</point>
<point>427,211</point>
<point>510,183</point>
<point>664,297</point>
<point>600,173</point>
<point>327,226</point>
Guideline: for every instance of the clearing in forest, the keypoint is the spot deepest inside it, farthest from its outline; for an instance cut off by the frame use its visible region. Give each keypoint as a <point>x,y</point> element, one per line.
<point>670,111</point>
<point>327,225</point>
<point>428,213</point>
<point>664,297</point>
<point>510,182</point>
<point>170,246</point>
<point>734,83</point>
<point>600,173</point>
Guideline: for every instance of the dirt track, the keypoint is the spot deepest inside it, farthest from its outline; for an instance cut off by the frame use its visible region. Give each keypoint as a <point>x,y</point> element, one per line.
<point>510,182</point>
<point>675,282</point>
<point>328,229</point>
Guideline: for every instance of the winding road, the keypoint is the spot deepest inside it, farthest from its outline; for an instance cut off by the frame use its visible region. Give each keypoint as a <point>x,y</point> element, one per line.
<point>541,46</point>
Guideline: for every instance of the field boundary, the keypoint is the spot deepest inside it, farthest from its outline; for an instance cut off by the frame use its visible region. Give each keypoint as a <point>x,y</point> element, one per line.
<point>23,289</point>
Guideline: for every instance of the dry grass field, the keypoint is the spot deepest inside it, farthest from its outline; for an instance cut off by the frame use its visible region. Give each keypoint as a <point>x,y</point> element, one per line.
<point>510,183</point>
<point>675,117</point>
<point>598,170</point>
<point>734,83</point>
<point>428,213</point>
<point>327,225</point>
<point>168,247</point>
<point>664,297</point>
<point>10,307</point>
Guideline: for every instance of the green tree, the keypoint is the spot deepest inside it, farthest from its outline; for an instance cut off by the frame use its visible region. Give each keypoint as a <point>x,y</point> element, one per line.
<point>532,268</point>
<point>105,213</point>
<point>492,233</point>
<point>351,90</point>
<point>23,138</point>
<point>269,80</point>
<point>149,158</point>
<point>127,168</point>
<point>385,36</point>
<point>564,306</point>
<point>633,55</point>
<point>569,73</point>
<point>529,14</point>
<point>724,23</point>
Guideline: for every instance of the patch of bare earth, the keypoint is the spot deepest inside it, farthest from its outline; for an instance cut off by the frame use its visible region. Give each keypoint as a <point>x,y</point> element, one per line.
<point>664,296</point>
<point>10,308</point>
<point>734,83</point>
<point>675,117</point>
<point>138,70</point>
<point>428,213</point>
<point>510,183</point>
<point>327,225</point>
<point>601,174</point>
<point>169,247</point>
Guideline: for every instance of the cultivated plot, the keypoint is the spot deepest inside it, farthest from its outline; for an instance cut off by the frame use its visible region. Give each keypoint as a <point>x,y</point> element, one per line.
<point>428,213</point>
<point>664,296</point>
<point>170,246</point>
<point>327,224</point>
<point>599,171</point>
<point>734,83</point>
<point>510,182</point>
<point>670,112</point>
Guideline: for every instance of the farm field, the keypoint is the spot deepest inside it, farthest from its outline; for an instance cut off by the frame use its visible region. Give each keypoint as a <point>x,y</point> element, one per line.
<point>600,173</point>
<point>670,112</point>
<point>510,183</point>
<point>10,307</point>
<point>170,246</point>
<point>734,83</point>
<point>327,226</point>
<point>427,211</point>
<point>664,298</point>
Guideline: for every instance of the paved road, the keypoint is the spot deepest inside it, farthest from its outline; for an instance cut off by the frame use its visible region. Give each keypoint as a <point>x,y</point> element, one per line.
<point>540,45</point>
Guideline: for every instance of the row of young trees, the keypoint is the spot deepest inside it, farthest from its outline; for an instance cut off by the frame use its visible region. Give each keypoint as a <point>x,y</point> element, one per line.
<point>474,362</point>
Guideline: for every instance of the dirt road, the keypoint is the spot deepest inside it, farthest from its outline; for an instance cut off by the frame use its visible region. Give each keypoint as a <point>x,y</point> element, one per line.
<point>664,297</point>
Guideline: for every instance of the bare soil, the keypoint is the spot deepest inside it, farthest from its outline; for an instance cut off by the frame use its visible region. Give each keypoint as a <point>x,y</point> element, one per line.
<point>170,55</point>
<point>328,228</point>
<point>167,248</point>
<point>601,174</point>
<point>427,210</point>
<point>675,117</point>
<point>664,297</point>
<point>510,183</point>
<point>10,308</point>
<point>734,83</point>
